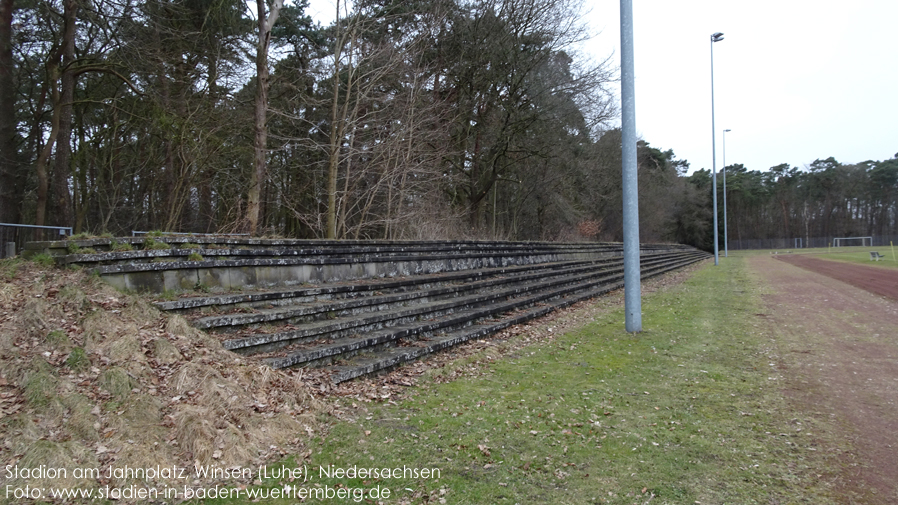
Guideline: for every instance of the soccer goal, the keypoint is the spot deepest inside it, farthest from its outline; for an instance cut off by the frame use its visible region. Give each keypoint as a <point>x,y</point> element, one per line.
<point>853,241</point>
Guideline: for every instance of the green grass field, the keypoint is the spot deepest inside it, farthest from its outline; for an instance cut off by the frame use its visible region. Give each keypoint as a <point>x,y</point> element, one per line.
<point>688,411</point>
<point>860,255</point>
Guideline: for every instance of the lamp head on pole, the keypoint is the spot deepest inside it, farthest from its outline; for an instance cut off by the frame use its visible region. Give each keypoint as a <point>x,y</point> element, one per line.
<point>716,37</point>
<point>727,131</point>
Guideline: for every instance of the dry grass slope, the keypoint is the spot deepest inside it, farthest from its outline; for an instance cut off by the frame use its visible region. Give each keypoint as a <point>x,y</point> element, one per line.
<point>93,378</point>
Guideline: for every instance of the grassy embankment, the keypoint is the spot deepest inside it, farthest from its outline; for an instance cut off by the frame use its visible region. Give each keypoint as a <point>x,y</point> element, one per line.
<point>689,411</point>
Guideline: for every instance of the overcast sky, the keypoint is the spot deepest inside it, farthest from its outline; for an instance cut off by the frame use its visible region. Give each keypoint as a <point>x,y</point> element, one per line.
<point>795,80</point>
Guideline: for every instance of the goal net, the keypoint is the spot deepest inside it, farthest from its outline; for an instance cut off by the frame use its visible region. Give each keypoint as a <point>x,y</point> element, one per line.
<point>853,241</point>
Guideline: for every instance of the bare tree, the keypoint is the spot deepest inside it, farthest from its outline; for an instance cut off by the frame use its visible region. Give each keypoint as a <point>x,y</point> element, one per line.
<point>338,115</point>
<point>260,140</point>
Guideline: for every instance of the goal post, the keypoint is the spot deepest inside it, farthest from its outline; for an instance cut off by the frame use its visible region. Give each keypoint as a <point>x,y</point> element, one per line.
<point>853,241</point>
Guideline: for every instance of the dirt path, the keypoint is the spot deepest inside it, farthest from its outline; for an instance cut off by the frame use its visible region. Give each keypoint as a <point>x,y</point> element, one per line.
<point>838,356</point>
<point>882,281</point>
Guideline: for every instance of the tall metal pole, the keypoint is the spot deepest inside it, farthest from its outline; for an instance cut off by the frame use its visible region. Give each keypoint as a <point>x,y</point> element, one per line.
<point>632,288</point>
<point>714,38</point>
<point>726,249</point>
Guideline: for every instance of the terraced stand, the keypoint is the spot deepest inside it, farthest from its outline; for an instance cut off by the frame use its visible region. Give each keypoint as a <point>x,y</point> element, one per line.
<point>374,305</point>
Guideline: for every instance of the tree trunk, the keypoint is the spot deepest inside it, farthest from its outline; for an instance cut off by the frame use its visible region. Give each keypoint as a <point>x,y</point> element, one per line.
<point>62,170</point>
<point>260,143</point>
<point>10,179</point>
<point>336,136</point>
<point>43,159</point>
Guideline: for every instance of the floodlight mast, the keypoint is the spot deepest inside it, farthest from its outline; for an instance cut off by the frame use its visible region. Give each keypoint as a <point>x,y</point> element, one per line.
<point>632,288</point>
<point>716,37</point>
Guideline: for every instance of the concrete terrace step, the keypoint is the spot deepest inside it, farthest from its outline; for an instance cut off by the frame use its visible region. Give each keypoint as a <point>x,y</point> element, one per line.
<point>362,364</point>
<point>241,263</point>
<point>348,289</point>
<point>320,252</point>
<point>396,315</point>
<point>481,304</point>
<point>358,307</point>
<point>436,288</point>
<point>346,346</point>
<point>243,245</point>
<point>254,271</point>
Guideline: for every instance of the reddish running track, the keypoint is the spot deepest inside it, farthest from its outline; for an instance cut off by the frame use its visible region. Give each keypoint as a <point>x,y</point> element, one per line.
<point>881,281</point>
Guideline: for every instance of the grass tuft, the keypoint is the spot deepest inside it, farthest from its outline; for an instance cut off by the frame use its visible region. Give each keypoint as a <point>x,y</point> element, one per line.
<point>152,244</point>
<point>117,246</point>
<point>78,360</point>
<point>165,352</point>
<point>40,384</point>
<point>44,259</point>
<point>117,382</point>
<point>9,268</point>
<point>58,339</point>
<point>80,421</point>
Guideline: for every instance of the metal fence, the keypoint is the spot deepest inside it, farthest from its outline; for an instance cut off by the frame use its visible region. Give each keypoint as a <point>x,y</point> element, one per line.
<point>801,242</point>
<point>14,236</point>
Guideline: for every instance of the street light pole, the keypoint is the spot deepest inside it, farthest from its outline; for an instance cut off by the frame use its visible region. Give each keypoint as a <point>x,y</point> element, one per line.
<point>715,37</point>
<point>630,181</point>
<point>726,248</point>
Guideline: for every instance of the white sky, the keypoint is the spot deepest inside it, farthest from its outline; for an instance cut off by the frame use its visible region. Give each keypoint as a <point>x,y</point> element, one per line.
<point>795,80</point>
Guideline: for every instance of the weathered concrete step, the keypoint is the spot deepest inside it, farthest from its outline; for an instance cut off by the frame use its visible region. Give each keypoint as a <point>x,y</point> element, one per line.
<point>349,289</point>
<point>450,321</point>
<point>334,329</point>
<point>141,259</point>
<point>314,246</point>
<point>136,260</point>
<point>330,256</point>
<point>430,292</point>
<point>236,264</point>
<point>391,357</point>
<point>260,273</point>
<point>299,304</point>
<point>266,342</point>
<point>338,347</point>
<point>395,356</point>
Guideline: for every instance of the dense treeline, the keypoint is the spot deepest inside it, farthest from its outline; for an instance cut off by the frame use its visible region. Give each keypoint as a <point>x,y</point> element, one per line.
<point>826,199</point>
<point>402,119</point>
